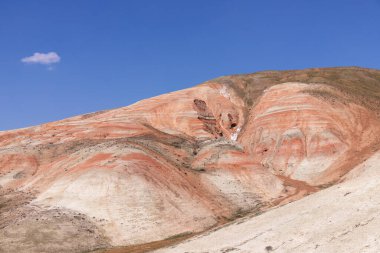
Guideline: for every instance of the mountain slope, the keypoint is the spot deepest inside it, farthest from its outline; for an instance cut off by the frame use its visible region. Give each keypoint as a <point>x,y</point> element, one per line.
<point>343,218</point>
<point>186,161</point>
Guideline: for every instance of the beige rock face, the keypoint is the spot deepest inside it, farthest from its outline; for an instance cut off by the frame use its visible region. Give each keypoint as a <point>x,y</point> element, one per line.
<point>192,159</point>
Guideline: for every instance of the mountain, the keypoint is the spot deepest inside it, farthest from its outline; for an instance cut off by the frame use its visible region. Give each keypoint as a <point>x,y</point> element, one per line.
<point>180,164</point>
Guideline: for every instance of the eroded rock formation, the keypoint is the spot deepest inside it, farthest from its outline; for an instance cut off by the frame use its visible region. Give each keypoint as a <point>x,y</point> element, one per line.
<point>188,160</point>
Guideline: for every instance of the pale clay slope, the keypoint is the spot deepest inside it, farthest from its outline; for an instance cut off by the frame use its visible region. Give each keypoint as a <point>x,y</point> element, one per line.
<point>342,218</point>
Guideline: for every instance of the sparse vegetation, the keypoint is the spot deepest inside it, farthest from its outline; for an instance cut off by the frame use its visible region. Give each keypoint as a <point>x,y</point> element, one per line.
<point>359,85</point>
<point>269,248</point>
<point>184,234</point>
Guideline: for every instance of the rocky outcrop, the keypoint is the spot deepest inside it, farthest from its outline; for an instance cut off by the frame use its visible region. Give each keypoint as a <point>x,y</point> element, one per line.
<point>190,160</point>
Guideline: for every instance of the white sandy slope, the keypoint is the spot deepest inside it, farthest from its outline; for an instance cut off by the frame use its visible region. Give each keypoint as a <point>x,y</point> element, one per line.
<point>342,218</point>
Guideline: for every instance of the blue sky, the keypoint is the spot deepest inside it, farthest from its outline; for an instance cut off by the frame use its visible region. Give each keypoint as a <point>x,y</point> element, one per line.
<point>114,53</point>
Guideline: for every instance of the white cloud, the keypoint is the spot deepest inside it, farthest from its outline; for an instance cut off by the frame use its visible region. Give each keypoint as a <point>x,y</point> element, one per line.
<point>41,58</point>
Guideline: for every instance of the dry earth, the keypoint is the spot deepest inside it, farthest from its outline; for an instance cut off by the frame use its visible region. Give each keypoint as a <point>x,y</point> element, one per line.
<point>342,218</point>
<point>187,161</point>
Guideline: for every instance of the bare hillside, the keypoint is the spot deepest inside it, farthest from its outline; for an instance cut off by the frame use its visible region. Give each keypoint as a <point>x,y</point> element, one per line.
<point>182,163</point>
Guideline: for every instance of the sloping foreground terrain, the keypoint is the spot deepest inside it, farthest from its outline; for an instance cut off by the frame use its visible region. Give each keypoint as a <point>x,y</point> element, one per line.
<point>184,162</point>
<point>343,218</point>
